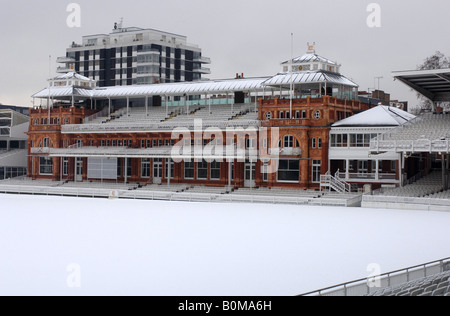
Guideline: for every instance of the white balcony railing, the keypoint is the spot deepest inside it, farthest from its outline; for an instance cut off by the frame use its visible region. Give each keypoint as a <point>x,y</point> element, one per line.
<point>420,145</point>
<point>40,150</point>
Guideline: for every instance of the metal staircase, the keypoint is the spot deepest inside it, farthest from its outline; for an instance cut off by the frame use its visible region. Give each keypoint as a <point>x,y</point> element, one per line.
<point>334,183</point>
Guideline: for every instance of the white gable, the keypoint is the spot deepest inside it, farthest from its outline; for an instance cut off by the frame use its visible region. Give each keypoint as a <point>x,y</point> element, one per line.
<point>378,116</point>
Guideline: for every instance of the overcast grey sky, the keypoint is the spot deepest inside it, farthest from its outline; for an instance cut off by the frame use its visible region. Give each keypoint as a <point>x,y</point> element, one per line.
<point>245,36</point>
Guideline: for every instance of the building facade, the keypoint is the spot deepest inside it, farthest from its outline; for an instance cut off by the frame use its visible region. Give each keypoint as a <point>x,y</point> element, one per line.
<point>134,56</point>
<point>350,157</point>
<point>246,132</point>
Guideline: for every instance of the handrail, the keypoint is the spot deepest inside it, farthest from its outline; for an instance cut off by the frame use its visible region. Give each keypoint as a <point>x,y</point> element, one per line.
<point>441,262</point>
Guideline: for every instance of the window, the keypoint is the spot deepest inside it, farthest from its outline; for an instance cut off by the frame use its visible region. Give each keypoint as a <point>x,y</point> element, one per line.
<point>316,171</point>
<point>145,168</point>
<point>171,166</point>
<point>313,143</point>
<point>317,115</point>
<point>303,114</point>
<point>288,170</point>
<point>65,166</point>
<point>264,143</point>
<point>339,140</point>
<point>189,170</point>
<point>393,165</point>
<point>46,142</point>
<point>268,115</point>
<point>297,114</point>
<point>119,167</point>
<point>319,142</point>
<point>288,141</point>
<point>215,170</point>
<point>363,166</point>
<point>249,143</point>
<point>45,166</point>
<point>129,167</point>
<point>202,170</point>
<point>361,140</point>
<point>265,171</point>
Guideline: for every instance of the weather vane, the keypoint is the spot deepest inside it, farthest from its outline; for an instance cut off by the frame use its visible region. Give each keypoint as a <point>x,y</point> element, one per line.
<point>311,48</point>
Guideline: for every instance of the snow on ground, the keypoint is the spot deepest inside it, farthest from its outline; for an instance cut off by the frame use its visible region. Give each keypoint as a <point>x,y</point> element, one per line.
<point>125,247</point>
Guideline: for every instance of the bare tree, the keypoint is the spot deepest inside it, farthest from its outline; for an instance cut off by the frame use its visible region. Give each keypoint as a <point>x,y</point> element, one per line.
<point>436,61</point>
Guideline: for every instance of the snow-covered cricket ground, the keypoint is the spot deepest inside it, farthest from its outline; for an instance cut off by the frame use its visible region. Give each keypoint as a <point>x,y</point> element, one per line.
<point>125,247</point>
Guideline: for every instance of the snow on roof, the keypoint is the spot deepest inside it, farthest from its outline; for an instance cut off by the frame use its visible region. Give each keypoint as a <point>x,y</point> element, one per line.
<point>378,116</point>
<point>310,57</point>
<point>309,77</point>
<point>63,92</point>
<point>72,75</point>
<point>181,88</point>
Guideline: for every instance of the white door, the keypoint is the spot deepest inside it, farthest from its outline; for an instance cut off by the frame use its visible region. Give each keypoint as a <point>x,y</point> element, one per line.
<point>249,179</point>
<point>79,170</point>
<point>157,170</point>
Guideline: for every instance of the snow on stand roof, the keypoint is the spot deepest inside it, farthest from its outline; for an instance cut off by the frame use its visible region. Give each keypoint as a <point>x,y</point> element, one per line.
<point>378,116</point>
<point>213,86</point>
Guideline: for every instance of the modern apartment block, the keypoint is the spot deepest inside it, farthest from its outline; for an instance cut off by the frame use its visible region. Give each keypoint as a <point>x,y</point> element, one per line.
<point>13,143</point>
<point>133,56</point>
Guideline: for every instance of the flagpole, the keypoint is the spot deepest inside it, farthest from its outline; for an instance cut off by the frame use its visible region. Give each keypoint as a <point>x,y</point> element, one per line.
<point>292,83</point>
<point>49,85</point>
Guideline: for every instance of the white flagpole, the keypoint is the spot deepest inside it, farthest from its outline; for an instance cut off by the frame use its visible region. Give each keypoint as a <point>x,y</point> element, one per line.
<point>292,83</point>
<point>49,85</point>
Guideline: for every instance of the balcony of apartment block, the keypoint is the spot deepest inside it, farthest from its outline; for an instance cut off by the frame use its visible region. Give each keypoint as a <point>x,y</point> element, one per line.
<point>65,60</point>
<point>203,60</point>
<point>203,70</point>
<point>65,69</point>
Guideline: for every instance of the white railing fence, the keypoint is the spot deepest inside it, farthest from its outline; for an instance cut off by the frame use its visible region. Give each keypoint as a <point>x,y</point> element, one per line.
<point>132,193</point>
<point>366,286</point>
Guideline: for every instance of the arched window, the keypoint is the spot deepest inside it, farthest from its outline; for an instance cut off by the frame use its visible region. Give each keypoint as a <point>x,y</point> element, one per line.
<point>46,142</point>
<point>281,115</point>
